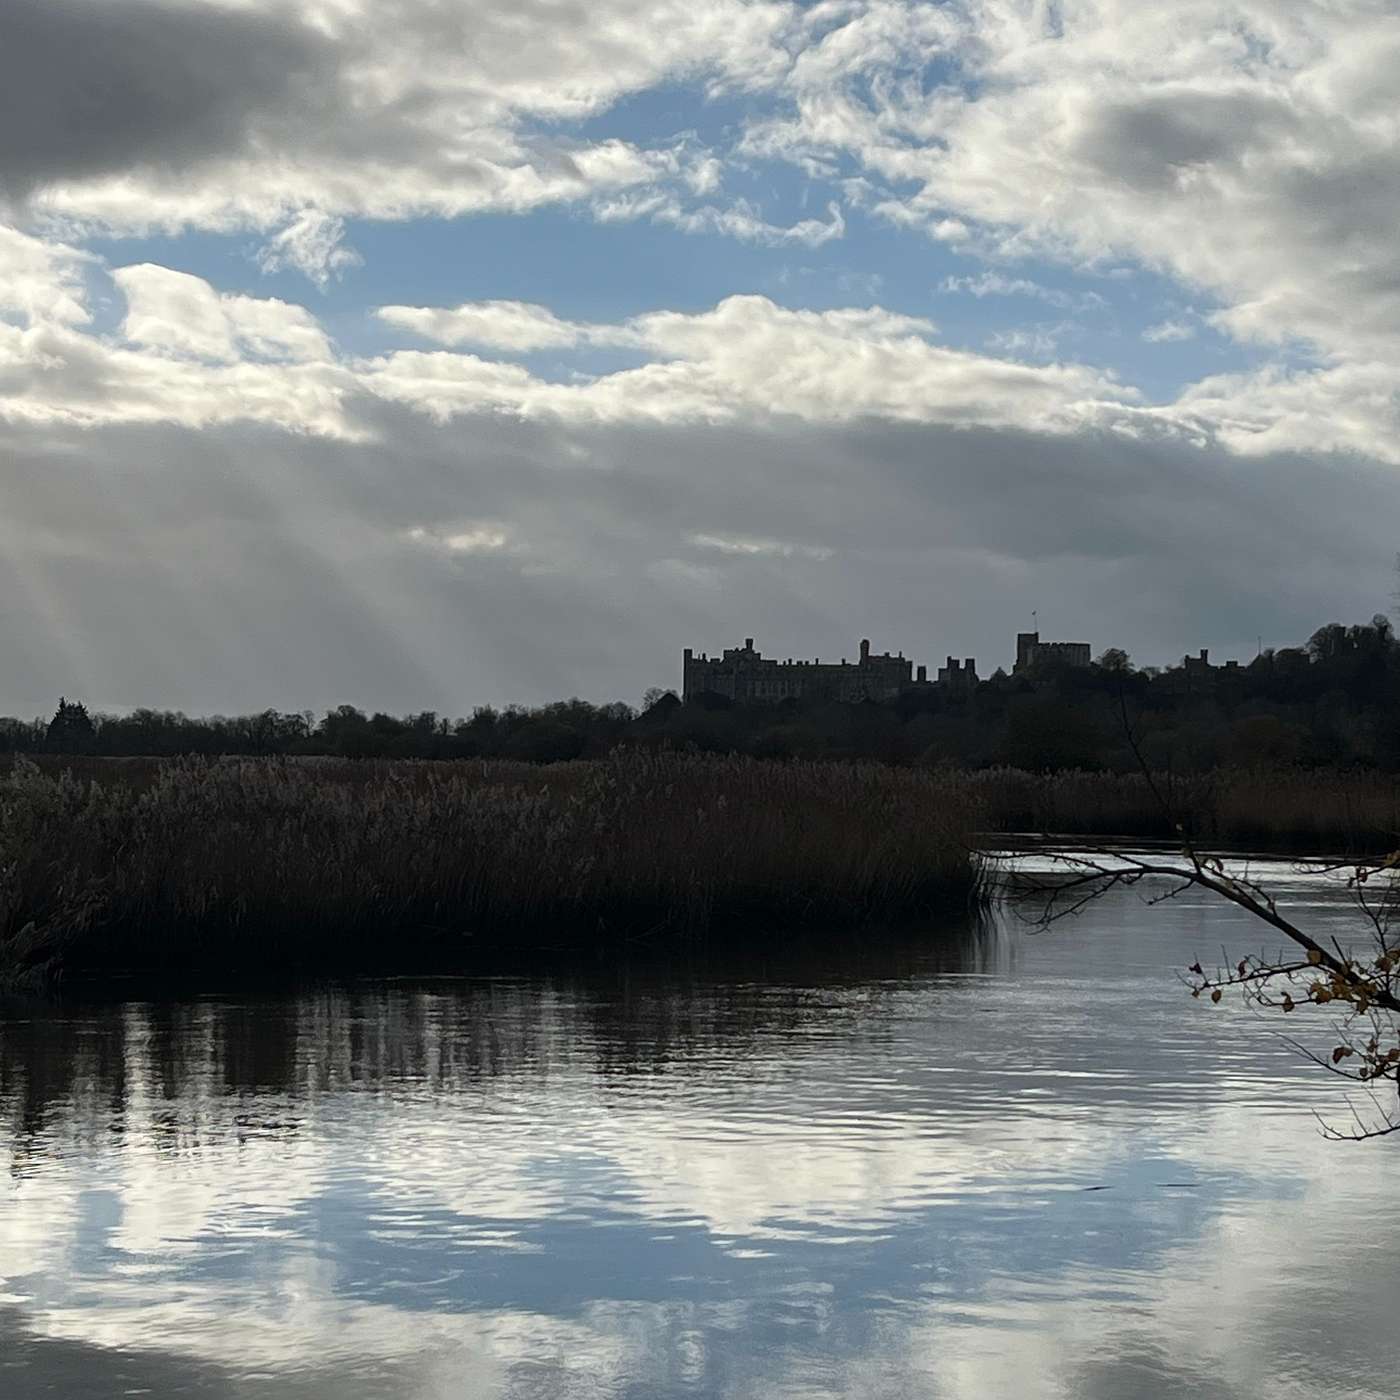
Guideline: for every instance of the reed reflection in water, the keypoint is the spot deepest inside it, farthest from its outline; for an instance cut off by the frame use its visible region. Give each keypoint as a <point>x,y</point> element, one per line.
<point>975,1162</point>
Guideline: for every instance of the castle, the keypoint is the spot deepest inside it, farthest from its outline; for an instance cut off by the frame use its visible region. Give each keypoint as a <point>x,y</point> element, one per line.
<point>745,675</point>
<point>1032,653</point>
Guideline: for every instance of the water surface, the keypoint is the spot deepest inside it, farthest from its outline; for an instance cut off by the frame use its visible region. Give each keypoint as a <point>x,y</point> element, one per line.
<point>968,1162</point>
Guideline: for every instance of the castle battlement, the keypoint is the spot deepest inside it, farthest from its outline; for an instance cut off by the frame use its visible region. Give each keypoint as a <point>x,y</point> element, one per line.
<point>1033,654</point>
<point>745,675</point>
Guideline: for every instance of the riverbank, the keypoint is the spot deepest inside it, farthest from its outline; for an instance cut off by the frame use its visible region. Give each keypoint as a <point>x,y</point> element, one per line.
<point>1356,812</point>
<point>252,866</point>
<point>248,868</point>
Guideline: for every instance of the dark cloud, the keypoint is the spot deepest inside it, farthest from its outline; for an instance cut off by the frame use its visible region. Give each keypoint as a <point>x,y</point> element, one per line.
<point>1151,142</point>
<point>90,87</point>
<point>224,115</point>
<point>235,568</point>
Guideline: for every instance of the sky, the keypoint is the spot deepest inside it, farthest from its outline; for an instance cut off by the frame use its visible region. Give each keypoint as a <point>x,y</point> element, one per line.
<point>424,354</point>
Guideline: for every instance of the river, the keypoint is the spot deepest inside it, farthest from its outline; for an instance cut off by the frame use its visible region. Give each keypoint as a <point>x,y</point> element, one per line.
<point>976,1161</point>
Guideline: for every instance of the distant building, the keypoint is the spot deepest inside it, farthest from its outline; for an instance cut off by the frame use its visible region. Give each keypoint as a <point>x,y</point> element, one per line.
<point>1197,674</point>
<point>1032,653</point>
<point>1201,665</point>
<point>745,675</point>
<point>958,677</point>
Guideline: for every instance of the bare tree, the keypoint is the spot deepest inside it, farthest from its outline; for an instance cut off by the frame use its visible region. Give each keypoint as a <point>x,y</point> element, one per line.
<point>1358,983</point>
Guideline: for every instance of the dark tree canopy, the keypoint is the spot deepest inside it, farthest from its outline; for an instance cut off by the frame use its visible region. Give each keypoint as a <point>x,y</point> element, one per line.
<point>1334,702</point>
<point>71,729</point>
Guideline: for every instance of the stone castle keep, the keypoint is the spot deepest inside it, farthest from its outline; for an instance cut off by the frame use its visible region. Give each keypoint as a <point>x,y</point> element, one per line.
<point>1032,652</point>
<point>745,675</point>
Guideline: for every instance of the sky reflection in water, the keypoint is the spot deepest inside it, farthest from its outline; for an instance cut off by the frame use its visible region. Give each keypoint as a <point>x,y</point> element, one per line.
<point>981,1164</point>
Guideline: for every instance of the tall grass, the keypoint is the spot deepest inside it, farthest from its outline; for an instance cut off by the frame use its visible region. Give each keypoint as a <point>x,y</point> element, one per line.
<point>1289,808</point>
<point>252,864</point>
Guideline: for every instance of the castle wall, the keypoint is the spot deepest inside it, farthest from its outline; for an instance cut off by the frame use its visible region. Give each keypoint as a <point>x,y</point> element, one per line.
<point>1032,652</point>
<point>744,675</point>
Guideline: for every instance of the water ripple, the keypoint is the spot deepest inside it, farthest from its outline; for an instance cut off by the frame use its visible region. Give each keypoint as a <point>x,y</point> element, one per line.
<point>970,1162</point>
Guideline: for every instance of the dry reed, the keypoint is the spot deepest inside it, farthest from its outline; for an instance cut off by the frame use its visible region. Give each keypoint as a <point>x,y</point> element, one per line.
<point>1290,808</point>
<point>244,865</point>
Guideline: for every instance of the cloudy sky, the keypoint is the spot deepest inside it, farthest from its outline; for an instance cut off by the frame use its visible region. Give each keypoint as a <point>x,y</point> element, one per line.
<point>430,353</point>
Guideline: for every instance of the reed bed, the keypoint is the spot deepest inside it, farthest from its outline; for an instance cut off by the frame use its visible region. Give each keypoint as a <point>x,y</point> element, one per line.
<point>1297,809</point>
<point>248,865</point>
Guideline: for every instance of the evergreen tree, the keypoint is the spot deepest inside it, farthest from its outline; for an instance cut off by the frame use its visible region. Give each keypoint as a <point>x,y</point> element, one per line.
<point>71,729</point>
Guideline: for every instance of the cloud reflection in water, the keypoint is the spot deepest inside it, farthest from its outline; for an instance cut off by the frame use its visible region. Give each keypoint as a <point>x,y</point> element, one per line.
<point>988,1163</point>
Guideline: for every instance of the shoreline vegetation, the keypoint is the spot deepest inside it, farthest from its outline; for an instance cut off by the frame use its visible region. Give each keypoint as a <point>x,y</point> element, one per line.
<point>1286,810</point>
<point>265,867</point>
<point>244,866</point>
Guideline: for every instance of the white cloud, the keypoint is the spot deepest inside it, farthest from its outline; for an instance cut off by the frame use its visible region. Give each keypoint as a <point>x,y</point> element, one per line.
<point>477,537</point>
<point>1351,407</point>
<point>276,329</point>
<point>53,375</point>
<point>703,176</point>
<point>40,280</point>
<point>1237,145</point>
<point>740,220</point>
<point>178,313</point>
<point>268,116</point>
<point>989,284</point>
<point>1240,146</point>
<point>743,222</point>
<point>513,326</point>
<point>1169,330</point>
<point>750,357</point>
<point>193,355</point>
<point>175,312</point>
<point>994,284</point>
<point>443,384</point>
<point>944,230</point>
<point>1035,341</point>
<point>312,243</point>
<point>746,547</point>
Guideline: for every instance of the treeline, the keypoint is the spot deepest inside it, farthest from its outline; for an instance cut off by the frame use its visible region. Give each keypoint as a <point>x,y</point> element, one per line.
<point>1332,703</point>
